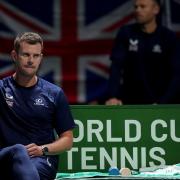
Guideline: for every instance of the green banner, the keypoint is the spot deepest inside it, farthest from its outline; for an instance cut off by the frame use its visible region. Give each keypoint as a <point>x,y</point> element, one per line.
<point>123,136</point>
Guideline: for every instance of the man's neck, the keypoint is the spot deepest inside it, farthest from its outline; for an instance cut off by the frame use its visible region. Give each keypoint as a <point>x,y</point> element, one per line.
<point>25,81</point>
<point>149,27</point>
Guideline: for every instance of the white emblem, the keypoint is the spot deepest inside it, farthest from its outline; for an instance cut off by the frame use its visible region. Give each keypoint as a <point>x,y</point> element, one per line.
<point>133,45</point>
<point>39,102</point>
<point>157,49</point>
<point>9,99</point>
<point>9,96</point>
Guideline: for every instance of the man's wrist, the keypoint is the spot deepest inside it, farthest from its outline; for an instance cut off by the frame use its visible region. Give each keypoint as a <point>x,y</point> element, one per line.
<point>44,150</point>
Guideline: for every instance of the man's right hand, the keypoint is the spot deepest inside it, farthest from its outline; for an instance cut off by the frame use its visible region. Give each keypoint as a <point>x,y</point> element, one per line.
<point>114,101</point>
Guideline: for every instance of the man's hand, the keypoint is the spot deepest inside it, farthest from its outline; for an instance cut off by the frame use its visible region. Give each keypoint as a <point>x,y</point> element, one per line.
<point>113,101</point>
<point>34,150</point>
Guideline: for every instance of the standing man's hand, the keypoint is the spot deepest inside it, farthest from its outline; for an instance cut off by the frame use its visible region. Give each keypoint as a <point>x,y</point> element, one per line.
<point>114,101</point>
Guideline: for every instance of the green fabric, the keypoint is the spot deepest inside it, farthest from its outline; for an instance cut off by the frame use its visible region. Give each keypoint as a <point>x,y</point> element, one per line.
<point>168,172</point>
<point>80,175</point>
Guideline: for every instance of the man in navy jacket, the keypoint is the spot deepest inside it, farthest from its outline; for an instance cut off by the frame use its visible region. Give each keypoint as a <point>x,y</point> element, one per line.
<point>145,62</point>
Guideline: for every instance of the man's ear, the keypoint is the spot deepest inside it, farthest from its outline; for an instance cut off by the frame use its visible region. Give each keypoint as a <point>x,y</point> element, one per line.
<point>14,55</point>
<point>42,56</point>
<point>156,10</point>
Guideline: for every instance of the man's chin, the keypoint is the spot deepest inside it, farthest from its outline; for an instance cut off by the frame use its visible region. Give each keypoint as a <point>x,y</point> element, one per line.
<point>29,74</point>
<point>140,21</point>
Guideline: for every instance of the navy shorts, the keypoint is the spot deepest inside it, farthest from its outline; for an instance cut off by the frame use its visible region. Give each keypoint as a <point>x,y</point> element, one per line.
<point>46,166</point>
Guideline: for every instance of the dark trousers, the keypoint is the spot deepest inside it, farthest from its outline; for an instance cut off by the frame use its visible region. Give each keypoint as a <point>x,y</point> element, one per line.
<point>16,164</point>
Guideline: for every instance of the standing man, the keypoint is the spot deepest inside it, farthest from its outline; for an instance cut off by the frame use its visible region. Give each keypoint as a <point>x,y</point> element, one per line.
<point>30,110</point>
<point>145,61</point>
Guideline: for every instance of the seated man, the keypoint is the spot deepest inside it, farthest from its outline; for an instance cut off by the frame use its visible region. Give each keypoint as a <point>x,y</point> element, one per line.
<point>30,110</point>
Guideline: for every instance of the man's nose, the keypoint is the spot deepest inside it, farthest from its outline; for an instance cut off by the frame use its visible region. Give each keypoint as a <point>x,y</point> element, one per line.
<point>30,59</point>
<point>137,9</point>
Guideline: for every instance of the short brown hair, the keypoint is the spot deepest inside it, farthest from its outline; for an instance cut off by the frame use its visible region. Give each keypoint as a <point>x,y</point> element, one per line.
<point>29,37</point>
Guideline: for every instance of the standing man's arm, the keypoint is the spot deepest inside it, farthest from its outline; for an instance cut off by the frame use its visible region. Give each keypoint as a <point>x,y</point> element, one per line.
<point>118,56</point>
<point>173,89</point>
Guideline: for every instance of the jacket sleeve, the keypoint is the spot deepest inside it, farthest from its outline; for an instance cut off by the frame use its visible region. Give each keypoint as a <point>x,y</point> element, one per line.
<point>118,56</point>
<point>172,94</point>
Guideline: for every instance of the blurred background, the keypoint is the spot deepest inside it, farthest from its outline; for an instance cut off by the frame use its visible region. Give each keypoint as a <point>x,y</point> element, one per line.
<point>78,37</point>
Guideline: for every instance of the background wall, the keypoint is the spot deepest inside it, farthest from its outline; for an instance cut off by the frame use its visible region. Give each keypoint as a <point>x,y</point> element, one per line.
<point>78,37</point>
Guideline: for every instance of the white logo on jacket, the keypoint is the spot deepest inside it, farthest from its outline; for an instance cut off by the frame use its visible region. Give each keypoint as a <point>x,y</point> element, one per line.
<point>133,45</point>
<point>39,102</point>
<point>9,99</point>
<point>157,49</point>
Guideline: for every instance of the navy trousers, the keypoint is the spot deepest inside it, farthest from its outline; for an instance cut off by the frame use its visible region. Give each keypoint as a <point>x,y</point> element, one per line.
<point>16,164</point>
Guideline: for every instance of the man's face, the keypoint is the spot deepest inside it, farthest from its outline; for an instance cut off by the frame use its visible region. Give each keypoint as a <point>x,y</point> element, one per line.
<point>145,11</point>
<point>28,59</point>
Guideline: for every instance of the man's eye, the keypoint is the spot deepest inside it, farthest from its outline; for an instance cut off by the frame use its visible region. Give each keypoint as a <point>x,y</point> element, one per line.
<point>25,55</point>
<point>37,56</point>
